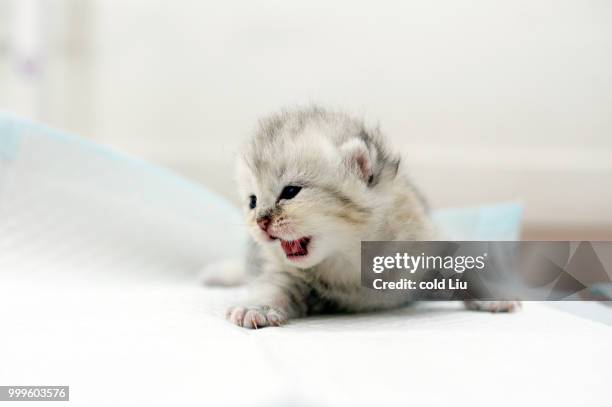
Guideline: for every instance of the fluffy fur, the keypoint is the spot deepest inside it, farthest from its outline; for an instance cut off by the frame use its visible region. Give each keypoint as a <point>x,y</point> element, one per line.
<point>306,252</point>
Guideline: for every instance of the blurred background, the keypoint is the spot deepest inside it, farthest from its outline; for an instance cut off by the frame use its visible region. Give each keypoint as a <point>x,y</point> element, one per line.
<point>488,101</point>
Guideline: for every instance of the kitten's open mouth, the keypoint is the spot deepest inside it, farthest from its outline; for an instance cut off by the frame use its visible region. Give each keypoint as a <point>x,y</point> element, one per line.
<point>295,248</point>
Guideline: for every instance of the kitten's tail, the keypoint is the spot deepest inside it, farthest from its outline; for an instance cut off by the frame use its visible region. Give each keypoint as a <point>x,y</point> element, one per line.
<point>234,272</point>
<point>224,273</point>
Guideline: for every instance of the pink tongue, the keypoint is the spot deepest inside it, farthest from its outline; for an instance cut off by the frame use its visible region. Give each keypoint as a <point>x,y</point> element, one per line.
<point>294,247</point>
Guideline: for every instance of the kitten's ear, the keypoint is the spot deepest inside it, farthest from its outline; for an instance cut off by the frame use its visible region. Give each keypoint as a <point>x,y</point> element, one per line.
<point>358,158</point>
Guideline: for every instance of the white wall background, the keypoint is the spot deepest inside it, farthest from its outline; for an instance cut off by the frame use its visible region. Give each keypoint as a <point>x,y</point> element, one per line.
<point>488,100</point>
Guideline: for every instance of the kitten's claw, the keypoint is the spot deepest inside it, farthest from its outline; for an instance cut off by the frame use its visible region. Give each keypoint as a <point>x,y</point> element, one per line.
<point>493,306</point>
<point>254,317</point>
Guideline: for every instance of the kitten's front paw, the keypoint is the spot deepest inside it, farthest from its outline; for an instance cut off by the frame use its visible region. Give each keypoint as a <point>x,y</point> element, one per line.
<point>254,317</point>
<point>493,306</point>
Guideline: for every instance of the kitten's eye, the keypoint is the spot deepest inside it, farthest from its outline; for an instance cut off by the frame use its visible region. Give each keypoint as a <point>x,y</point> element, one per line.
<point>289,192</point>
<point>252,201</point>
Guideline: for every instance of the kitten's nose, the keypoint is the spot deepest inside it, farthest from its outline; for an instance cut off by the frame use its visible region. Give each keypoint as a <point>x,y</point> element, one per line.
<point>264,222</point>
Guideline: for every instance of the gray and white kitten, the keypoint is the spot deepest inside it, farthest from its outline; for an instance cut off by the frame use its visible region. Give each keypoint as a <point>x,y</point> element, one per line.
<point>316,183</point>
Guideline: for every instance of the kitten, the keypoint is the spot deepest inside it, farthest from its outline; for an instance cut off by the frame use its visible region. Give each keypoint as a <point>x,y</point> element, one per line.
<point>315,183</point>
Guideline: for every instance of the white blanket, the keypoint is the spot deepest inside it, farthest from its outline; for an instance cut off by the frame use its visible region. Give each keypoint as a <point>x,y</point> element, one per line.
<point>97,291</point>
<point>167,343</point>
